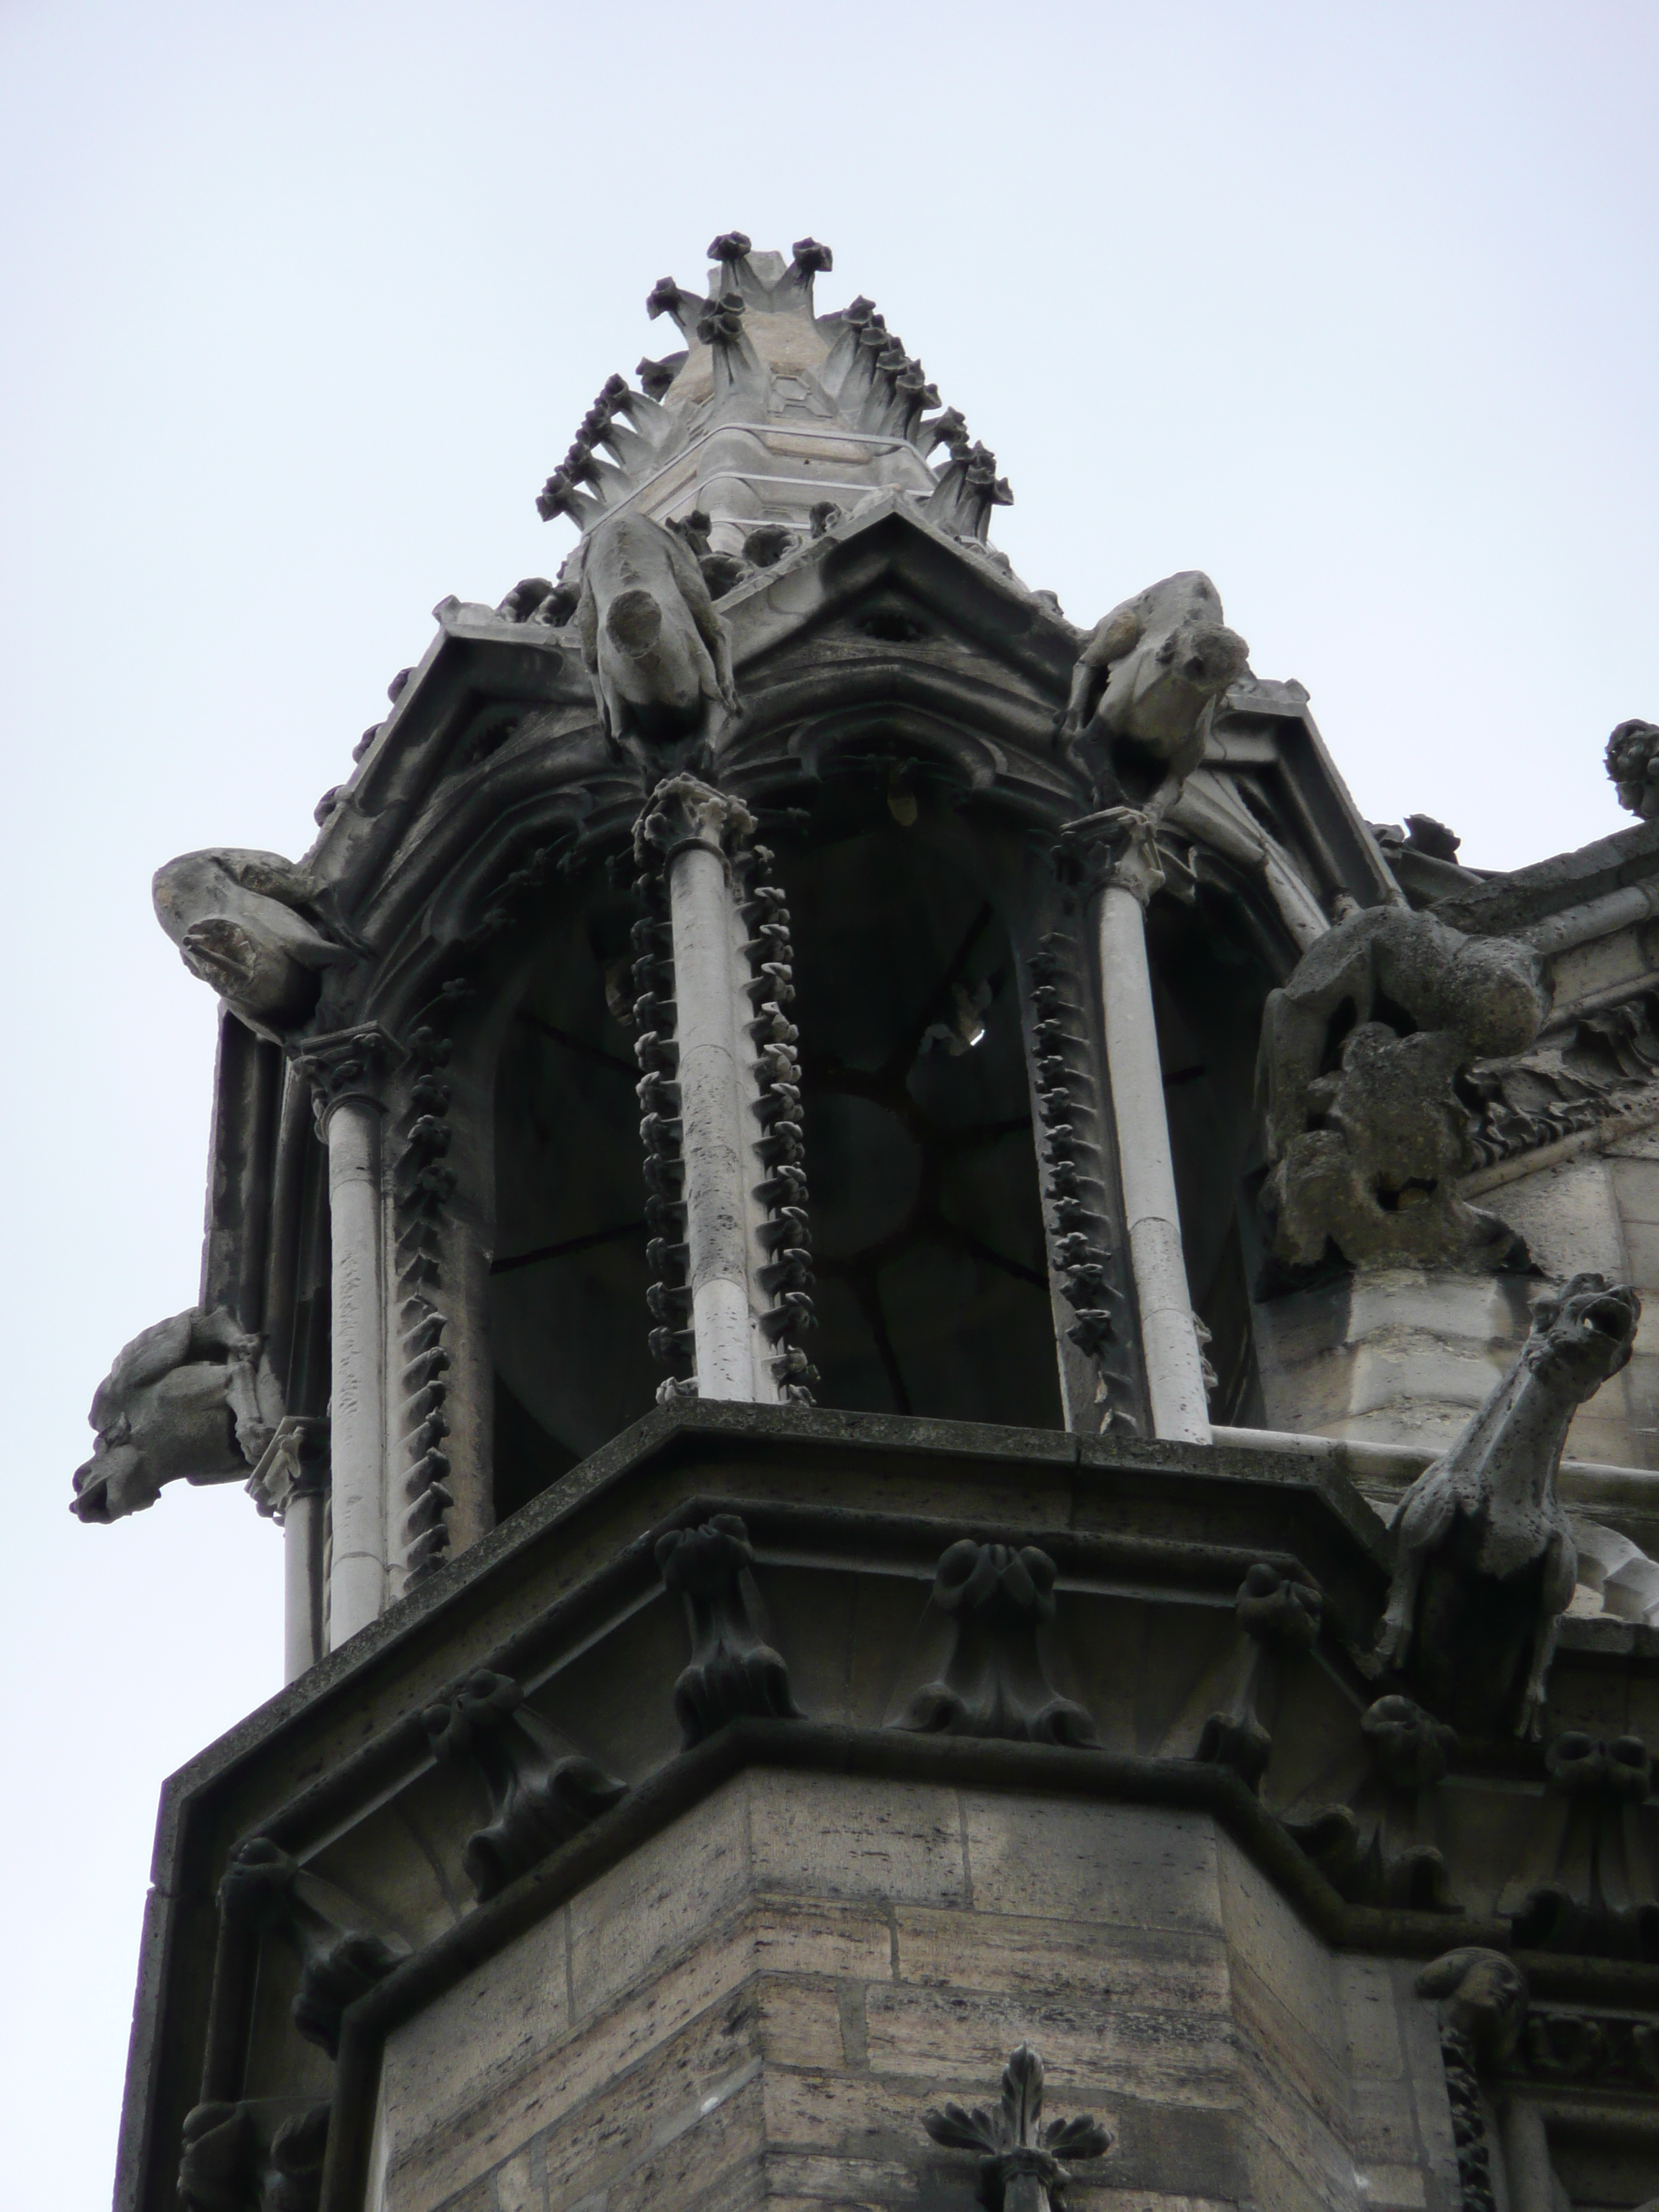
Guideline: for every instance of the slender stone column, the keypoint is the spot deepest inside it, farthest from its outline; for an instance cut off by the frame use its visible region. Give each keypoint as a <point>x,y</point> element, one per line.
<point>342,1069</point>
<point>1169,1333</point>
<point>287,1484</point>
<point>718,1087</point>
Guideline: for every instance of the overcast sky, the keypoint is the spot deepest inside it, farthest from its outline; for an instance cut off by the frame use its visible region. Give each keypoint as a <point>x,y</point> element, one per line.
<point>1353,306</point>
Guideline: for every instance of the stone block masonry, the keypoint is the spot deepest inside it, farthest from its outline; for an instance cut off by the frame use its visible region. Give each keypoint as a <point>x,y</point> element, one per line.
<point>759,2003</point>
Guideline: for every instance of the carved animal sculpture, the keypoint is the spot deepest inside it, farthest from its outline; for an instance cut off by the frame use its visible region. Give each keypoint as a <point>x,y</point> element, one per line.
<point>1360,1050</point>
<point>1486,1563</point>
<point>253,926</point>
<point>1150,676</point>
<point>191,1399</point>
<point>657,652</point>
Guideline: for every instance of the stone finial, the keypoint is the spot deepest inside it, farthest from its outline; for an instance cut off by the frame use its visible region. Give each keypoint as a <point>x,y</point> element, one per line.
<point>1020,2165</point>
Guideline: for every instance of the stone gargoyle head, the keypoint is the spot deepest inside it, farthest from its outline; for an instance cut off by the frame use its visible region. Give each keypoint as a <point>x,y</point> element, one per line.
<point>1583,1333</point>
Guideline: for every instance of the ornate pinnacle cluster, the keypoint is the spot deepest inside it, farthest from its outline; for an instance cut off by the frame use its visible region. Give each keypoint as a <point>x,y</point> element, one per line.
<point>758,356</point>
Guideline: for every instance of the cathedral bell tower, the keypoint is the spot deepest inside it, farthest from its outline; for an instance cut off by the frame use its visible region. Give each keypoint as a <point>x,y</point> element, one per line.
<point>735,1257</point>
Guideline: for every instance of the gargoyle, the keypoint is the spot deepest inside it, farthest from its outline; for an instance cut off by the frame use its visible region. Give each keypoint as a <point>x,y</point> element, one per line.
<point>1485,1562</point>
<point>1147,682</point>
<point>657,652</point>
<point>1360,1052</point>
<point>256,927</point>
<point>1633,765</point>
<point>193,1398</point>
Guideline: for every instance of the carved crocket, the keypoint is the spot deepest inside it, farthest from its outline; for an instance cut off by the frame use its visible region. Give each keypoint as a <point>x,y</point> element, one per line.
<point>1150,675</point>
<point>1486,1563</point>
<point>191,1399</point>
<point>656,650</point>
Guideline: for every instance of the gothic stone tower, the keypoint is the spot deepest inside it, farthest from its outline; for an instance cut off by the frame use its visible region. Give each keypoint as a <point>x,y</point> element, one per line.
<point>833,1458</point>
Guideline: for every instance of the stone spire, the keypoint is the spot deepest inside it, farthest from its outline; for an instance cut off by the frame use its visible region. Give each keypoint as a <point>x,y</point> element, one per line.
<point>772,420</point>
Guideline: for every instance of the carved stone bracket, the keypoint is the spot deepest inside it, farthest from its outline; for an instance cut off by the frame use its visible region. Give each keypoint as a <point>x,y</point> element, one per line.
<point>1597,1854</point>
<point>1119,845</point>
<point>540,1799</point>
<point>257,2156</point>
<point>1023,2157</point>
<point>1384,1848</point>
<point>734,1673</point>
<point>264,1891</point>
<point>1280,1620</point>
<point>995,1682</point>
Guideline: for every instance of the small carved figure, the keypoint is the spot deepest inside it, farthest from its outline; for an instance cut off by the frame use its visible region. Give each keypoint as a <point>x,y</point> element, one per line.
<point>1149,676</point>
<point>1360,1052</point>
<point>1020,2168</point>
<point>657,652</point>
<point>1633,764</point>
<point>256,927</point>
<point>1486,1563</point>
<point>191,1399</point>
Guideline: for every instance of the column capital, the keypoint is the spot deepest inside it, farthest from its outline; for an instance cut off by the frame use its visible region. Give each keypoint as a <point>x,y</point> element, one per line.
<point>1118,848</point>
<point>345,1065</point>
<point>682,811</point>
<point>291,1466</point>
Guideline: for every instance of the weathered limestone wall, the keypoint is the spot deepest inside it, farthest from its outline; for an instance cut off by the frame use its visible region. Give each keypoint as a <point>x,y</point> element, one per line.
<point>761,2001</point>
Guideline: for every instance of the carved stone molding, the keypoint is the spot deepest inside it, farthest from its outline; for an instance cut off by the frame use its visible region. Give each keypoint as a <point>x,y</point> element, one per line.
<point>1023,2157</point>
<point>995,1682</point>
<point>540,1799</point>
<point>266,1892</point>
<point>734,1673</point>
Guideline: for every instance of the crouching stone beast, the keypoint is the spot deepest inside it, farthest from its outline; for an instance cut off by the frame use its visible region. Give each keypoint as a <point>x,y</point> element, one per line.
<point>1150,676</point>
<point>193,1398</point>
<point>1486,1563</point>
<point>656,650</point>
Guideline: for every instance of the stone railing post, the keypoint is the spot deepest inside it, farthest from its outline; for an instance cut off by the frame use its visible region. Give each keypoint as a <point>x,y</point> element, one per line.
<point>1124,843</point>
<point>343,1070</point>
<point>693,827</point>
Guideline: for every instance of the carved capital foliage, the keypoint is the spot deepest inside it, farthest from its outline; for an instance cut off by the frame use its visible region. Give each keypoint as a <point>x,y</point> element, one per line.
<point>734,1673</point>
<point>1118,846</point>
<point>1023,2157</point>
<point>294,1464</point>
<point>265,1892</point>
<point>538,1798</point>
<point>351,1064</point>
<point>684,812</point>
<point>995,1681</point>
